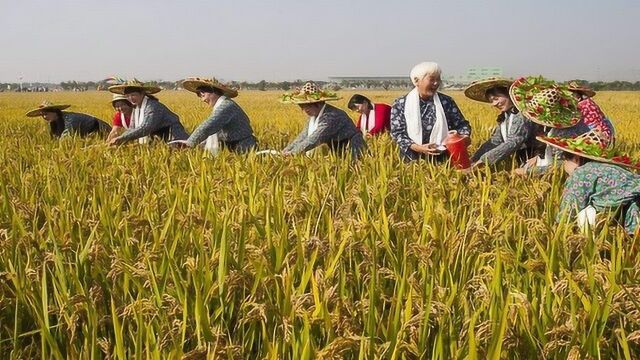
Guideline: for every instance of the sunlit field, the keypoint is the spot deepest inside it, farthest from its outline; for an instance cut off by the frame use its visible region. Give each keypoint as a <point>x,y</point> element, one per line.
<point>140,252</point>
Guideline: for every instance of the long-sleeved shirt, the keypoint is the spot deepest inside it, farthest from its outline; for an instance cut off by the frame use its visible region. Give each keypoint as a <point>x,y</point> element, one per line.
<point>158,121</point>
<point>335,128</point>
<point>455,121</point>
<point>519,134</point>
<point>606,187</point>
<point>229,121</point>
<point>80,124</point>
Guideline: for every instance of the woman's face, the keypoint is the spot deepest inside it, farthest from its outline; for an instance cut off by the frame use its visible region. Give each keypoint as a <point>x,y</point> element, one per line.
<point>429,85</point>
<point>361,108</point>
<point>311,109</point>
<point>123,107</point>
<point>50,116</point>
<point>208,97</point>
<point>501,102</point>
<point>136,97</point>
<point>571,163</point>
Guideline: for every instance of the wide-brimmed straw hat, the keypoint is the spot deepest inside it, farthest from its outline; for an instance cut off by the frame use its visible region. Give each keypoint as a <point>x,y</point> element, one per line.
<point>308,94</point>
<point>118,97</point>
<point>477,90</point>
<point>545,102</point>
<point>193,83</point>
<point>46,106</point>
<point>574,86</point>
<point>592,145</point>
<point>134,84</point>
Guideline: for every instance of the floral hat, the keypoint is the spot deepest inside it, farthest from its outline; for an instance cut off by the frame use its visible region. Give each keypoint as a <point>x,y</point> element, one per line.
<point>310,93</point>
<point>545,102</point>
<point>193,83</point>
<point>592,145</point>
<point>477,90</point>
<point>44,107</point>
<point>134,84</point>
<point>574,86</point>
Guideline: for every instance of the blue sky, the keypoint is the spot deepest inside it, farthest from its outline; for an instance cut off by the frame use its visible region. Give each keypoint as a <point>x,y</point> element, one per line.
<point>58,40</point>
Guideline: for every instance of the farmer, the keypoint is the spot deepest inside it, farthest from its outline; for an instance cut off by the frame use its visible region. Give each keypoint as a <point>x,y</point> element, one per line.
<point>122,117</point>
<point>150,117</point>
<point>64,123</point>
<point>421,120</point>
<point>597,183</point>
<point>326,124</point>
<point>514,135</point>
<point>374,118</point>
<point>590,112</point>
<point>228,125</point>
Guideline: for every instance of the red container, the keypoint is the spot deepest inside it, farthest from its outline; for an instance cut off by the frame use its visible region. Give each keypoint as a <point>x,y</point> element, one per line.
<point>457,147</point>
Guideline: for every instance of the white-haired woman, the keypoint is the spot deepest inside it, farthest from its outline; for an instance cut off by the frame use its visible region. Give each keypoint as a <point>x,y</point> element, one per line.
<point>421,119</point>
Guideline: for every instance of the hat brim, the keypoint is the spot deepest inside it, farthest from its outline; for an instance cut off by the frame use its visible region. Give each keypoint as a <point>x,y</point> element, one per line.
<point>551,142</point>
<point>120,89</point>
<point>568,118</point>
<point>193,85</point>
<point>309,101</point>
<point>477,90</point>
<point>586,91</point>
<point>40,111</point>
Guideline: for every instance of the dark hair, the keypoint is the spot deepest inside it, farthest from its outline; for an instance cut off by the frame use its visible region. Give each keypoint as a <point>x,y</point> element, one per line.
<point>56,127</point>
<point>210,89</point>
<point>130,89</point>
<point>496,91</point>
<point>113,103</point>
<point>359,99</point>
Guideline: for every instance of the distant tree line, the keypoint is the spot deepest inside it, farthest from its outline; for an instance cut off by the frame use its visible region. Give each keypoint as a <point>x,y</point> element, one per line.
<point>264,85</point>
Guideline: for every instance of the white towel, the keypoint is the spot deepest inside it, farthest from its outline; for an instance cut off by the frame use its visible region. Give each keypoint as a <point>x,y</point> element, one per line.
<point>137,119</point>
<point>587,218</point>
<point>414,120</point>
<point>367,122</point>
<point>212,144</point>
<point>313,125</point>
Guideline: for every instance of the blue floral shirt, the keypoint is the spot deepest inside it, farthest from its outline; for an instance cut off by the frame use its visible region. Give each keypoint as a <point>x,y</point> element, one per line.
<point>605,187</point>
<point>455,121</point>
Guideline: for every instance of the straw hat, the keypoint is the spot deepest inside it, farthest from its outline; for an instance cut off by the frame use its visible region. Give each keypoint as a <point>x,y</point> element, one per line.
<point>574,86</point>
<point>477,90</point>
<point>118,97</point>
<point>592,145</point>
<point>545,102</point>
<point>193,83</point>
<point>134,84</point>
<point>310,93</point>
<point>44,107</point>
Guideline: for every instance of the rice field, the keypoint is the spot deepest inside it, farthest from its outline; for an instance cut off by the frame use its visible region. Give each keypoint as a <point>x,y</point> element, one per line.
<point>139,252</point>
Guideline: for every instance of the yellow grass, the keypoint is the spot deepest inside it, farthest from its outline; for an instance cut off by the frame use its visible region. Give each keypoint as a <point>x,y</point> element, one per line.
<point>140,252</point>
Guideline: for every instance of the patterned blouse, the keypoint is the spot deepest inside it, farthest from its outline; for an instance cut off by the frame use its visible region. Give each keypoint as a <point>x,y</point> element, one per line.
<point>230,122</point>
<point>158,121</point>
<point>605,187</point>
<point>335,128</point>
<point>455,121</point>
<point>593,116</point>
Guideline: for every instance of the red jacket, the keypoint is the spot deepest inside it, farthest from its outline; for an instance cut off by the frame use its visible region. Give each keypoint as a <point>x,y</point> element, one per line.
<point>382,116</point>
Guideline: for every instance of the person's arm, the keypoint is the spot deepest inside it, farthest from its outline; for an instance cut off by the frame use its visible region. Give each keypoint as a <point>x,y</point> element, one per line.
<point>326,130</point>
<point>399,127</point>
<point>152,123</point>
<point>115,132</point>
<point>301,136</point>
<point>455,119</point>
<point>219,117</point>
<point>518,134</point>
<point>382,118</point>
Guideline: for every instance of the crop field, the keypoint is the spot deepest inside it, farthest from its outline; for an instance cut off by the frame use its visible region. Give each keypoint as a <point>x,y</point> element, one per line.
<point>141,252</point>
